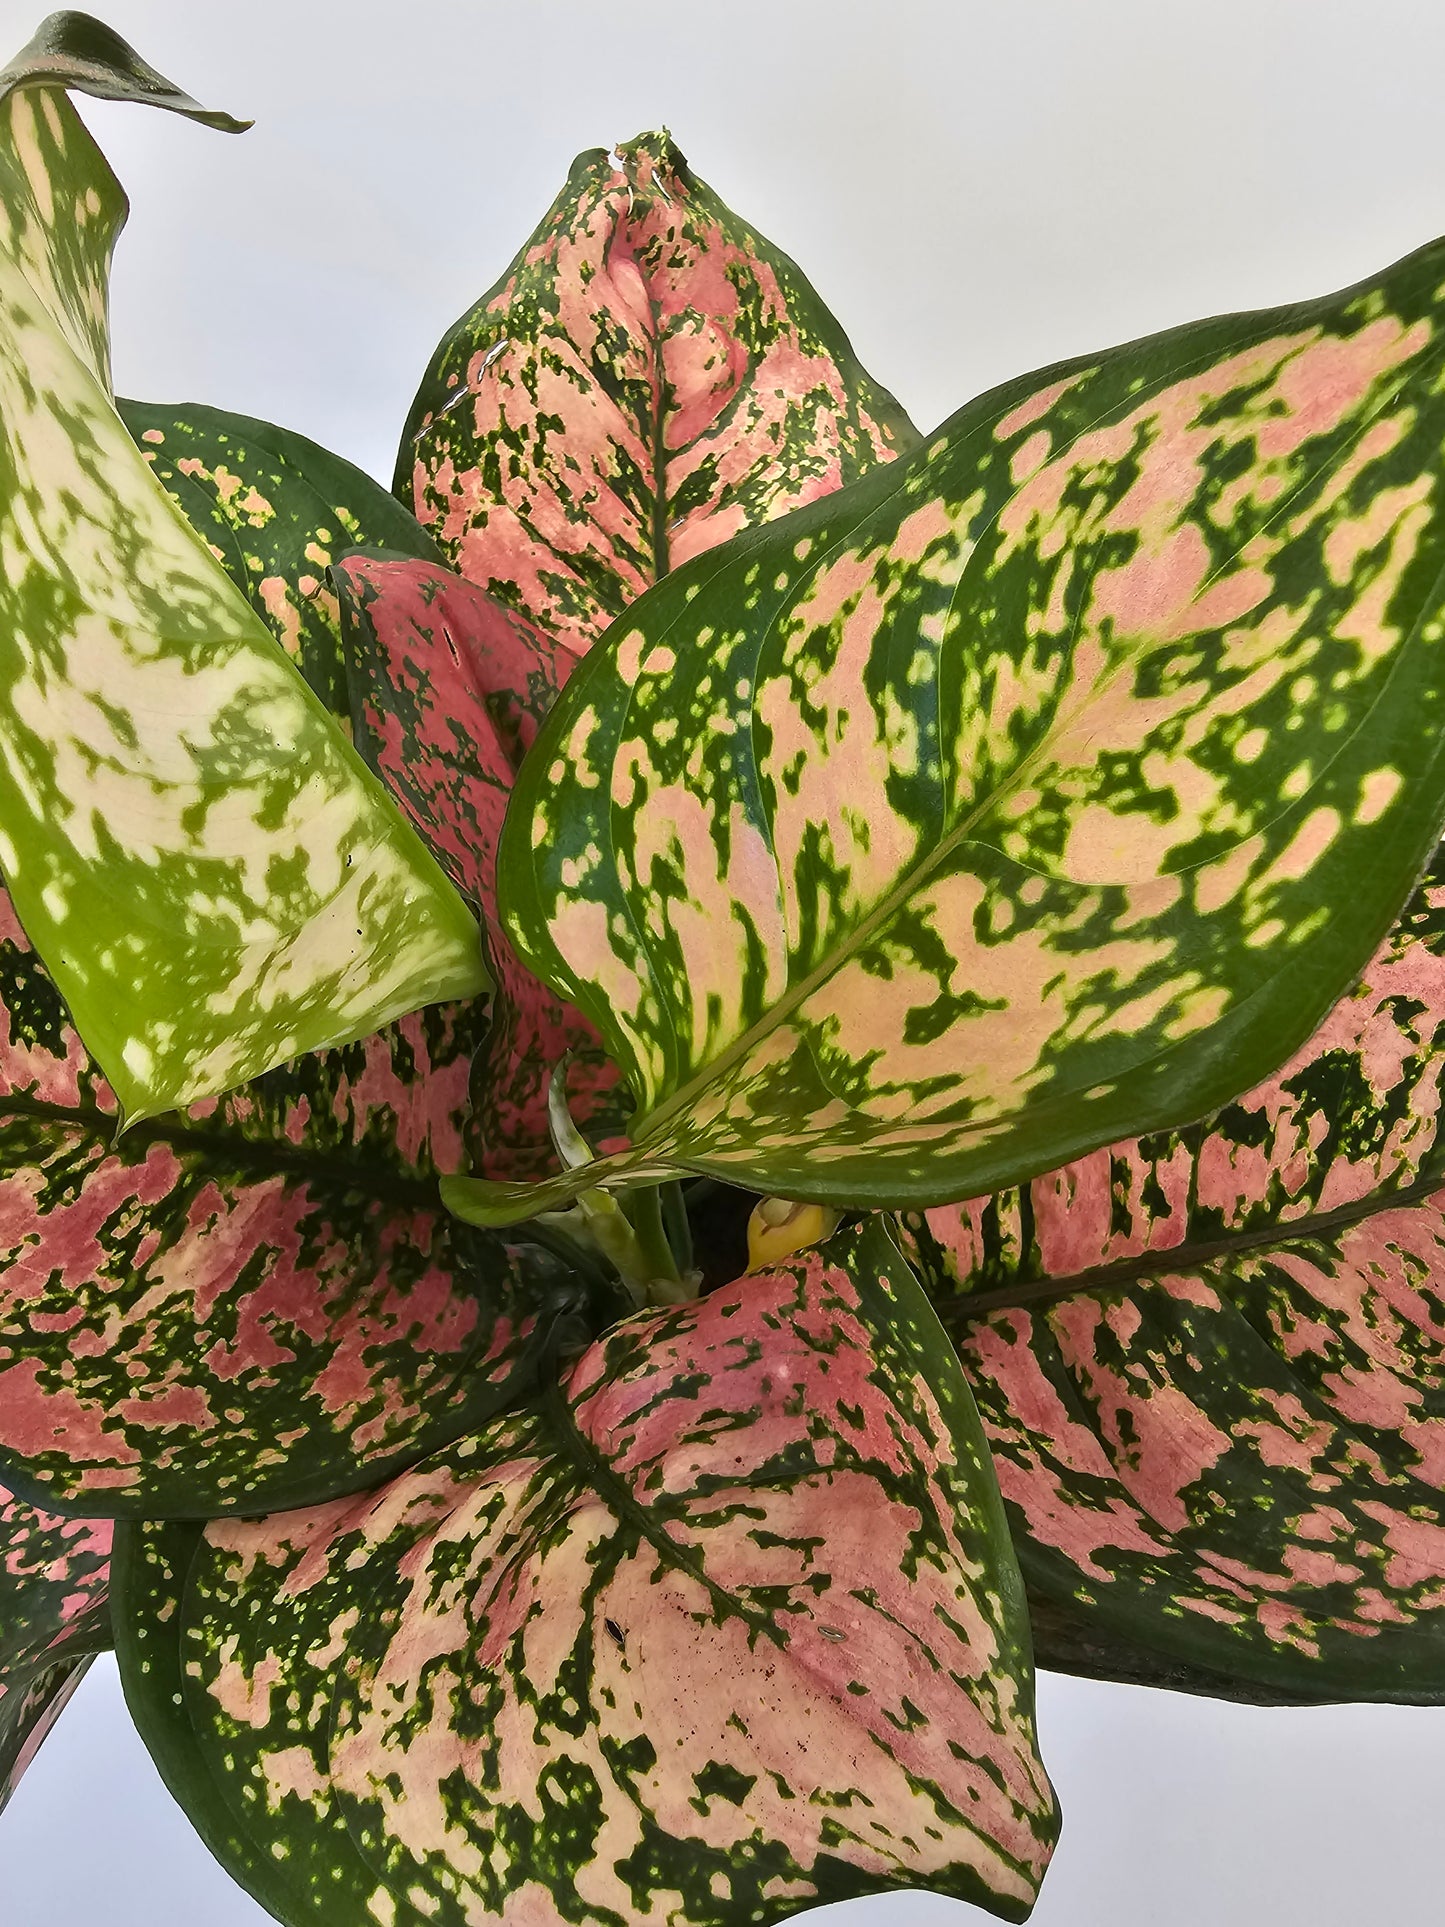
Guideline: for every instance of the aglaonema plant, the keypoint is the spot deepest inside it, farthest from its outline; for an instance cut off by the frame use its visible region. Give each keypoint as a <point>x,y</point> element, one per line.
<point>1002,862</point>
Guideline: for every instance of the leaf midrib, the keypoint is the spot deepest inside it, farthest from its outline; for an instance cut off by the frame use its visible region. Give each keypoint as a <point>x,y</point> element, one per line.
<point>915,878</point>
<point>265,1157</point>
<point>1150,1266</point>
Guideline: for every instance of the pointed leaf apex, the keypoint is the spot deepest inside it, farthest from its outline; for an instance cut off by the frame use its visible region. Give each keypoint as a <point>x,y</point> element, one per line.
<point>76,50</point>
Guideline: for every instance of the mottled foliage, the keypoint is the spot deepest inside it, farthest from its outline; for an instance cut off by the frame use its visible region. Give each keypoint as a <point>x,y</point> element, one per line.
<point>54,1575</point>
<point>1216,1397</point>
<point>215,878</point>
<point>275,510</point>
<point>75,50</point>
<point>449,689</point>
<point>728,1625</point>
<point>648,378</point>
<point>257,1302</point>
<point>1048,784</point>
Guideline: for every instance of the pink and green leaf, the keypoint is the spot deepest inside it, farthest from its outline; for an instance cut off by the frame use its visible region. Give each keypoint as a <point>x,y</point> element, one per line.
<point>275,509</point>
<point>449,689</point>
<point>54,1579</point>
<point>27,1718</point>
<point>259,1301</point>
<point>1211,1362</point>
<point>214,877</point>
<point>727,1625</point>
<point>1048,784</point>
<point>649,378</point>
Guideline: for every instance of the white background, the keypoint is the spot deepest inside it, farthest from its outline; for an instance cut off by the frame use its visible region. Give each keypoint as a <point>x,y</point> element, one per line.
<point>975,189</point>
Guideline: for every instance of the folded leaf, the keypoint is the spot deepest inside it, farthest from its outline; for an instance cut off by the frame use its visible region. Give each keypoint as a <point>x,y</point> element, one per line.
<point>257,1302</point>
<point>1049,784</point>
<point>274,509</point>
<point>76,50</point>
<point>28,1716</point>
<point>214,877</point>
<point>731,1627</point>
<point>54,1575</point>
<point>648,378</point>
<point>449,691</point>
<point>1211,1362</point>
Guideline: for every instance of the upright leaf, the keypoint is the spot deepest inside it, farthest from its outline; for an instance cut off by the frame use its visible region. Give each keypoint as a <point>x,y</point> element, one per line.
<point>1049,784</point>
<point>54,1575</point>
<point>257,1302</point>
<point>730,1627</point>
<point>648,378</point>
<point>449,690</point>
<point>214,877</point>
<point>275,510</point>
<point>1211,1362</point>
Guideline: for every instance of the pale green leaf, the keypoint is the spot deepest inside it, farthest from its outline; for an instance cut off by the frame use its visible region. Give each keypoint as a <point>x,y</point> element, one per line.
<point>211,873</point>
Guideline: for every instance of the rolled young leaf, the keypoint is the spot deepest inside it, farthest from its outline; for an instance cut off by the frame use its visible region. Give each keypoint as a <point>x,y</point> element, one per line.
<point>257,1302</point>
<point>1049,784</point>
<point>275,508</point>
<point>214,877</point>
<point>54,1575</point>
<point>648,378</point>
<point>731,1626</point>
<point>449,690</point>
<point>1211,1362</point>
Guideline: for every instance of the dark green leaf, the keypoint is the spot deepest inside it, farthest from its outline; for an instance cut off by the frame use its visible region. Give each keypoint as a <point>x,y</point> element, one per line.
<point>76,50</point>
<point>257,1302</point>
<point>214,877</point>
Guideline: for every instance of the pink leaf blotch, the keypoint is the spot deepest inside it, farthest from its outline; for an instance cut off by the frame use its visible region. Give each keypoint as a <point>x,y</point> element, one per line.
<point>728,1625</point>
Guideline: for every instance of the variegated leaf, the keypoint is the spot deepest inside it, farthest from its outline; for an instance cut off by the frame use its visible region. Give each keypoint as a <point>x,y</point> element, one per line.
<point>731,1627</point>
<point>1049,784</point>
<point>215,878</point>
<point>257,1302</point>
<point>275,510</point>
<point>28,1716</point>
<point>648,378</point>
<point>449,689</point>
<point>1211,1362</point>
<point>54,1575</point>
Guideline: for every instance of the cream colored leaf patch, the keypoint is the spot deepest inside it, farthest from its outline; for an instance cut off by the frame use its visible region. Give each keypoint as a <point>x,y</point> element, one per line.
<point>213,877</point>
<point>1050,782</point>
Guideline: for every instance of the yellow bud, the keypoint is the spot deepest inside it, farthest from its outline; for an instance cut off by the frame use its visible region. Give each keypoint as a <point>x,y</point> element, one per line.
<point>779,1227</point>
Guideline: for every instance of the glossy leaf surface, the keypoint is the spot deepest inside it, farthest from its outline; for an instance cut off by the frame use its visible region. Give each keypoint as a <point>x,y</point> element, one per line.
<point>1218,1408</point>
<point>1049,784</point>
<point>275,510</point>
<point>54,1575</point>
<point>731,1628</point>
<point>449,691</point>
<point>648,378</point>
<point>257,1302</point>
<point>72,49</point>
<point>215,878</point>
